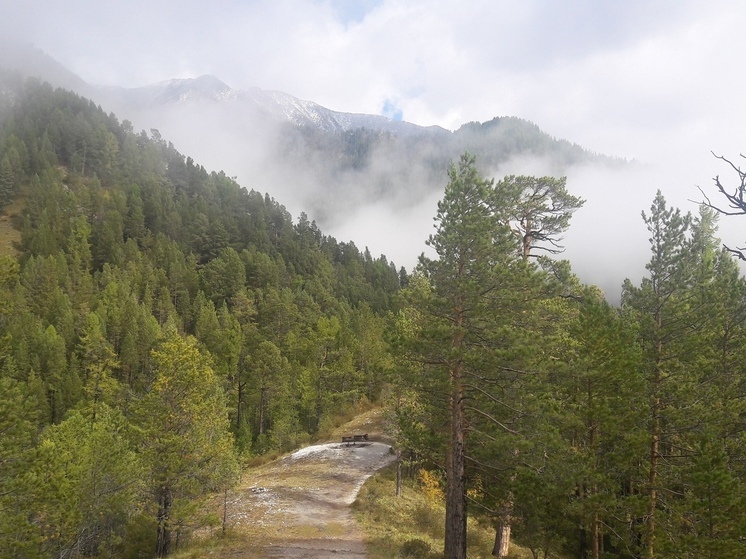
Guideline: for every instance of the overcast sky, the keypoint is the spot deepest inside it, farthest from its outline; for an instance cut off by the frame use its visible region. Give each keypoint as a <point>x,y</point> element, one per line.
<point>661,82</point>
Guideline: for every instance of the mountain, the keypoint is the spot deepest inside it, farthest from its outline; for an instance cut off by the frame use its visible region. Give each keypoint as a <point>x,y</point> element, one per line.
<point>495,140</point>
<point>498,138</point>
<point>358,175</point>
<point>275,104</point>
<point>30,62</point>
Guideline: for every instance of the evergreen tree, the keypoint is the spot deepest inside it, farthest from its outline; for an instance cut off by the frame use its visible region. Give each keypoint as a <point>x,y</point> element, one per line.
<point>99,361</point>
<point>540,211</point>
<point>92,483</point>
<point>663,305</point>
<point>477,285</point>
<point>602,425</point>
<point>18,425</point>
<point>186,443</point>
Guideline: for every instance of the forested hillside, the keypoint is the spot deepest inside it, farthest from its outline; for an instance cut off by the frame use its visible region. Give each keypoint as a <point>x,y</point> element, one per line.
<point>159,324</point>
<point>157,321</point>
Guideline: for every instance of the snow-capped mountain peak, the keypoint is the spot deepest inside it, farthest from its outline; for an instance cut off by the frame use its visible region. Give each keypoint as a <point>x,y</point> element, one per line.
<point>275,104</point>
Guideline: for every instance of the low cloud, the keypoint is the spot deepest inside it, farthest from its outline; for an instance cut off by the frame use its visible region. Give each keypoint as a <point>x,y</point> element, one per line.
<point>653,82</point>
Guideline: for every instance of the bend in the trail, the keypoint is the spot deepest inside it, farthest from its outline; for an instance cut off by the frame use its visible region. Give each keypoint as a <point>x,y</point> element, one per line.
<point>299,506</point>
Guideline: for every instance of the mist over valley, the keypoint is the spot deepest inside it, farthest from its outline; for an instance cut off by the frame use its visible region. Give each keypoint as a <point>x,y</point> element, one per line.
<point>369,178</point>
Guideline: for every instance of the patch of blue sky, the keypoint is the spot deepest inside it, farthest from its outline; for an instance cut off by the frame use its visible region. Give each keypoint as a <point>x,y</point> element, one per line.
<point>353,11</point>
<point>391,111</point>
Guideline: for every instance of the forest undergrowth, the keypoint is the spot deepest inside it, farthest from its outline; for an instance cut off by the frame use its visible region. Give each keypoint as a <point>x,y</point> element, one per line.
<point>412,524</point>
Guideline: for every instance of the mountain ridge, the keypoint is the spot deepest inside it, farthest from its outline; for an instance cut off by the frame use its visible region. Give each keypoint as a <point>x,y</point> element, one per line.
<point>253,104</point>
<point>358,176</point>
<point>274,103</point>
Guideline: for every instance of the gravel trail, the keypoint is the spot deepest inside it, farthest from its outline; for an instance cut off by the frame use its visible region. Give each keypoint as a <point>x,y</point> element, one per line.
<point>298,507</point>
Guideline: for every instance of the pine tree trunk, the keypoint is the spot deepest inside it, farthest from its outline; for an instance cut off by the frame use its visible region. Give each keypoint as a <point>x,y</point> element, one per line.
<point>502,538</point>
<point>655,432</point>
<point>455,536</point>
<point>225,510</point>
<point>594,537</point>
<point>261,411</point>
<point>652,481</point>
<point>163,540</point>
<point>592,438</point>
<point>239,404</point>
<point>502,531</point>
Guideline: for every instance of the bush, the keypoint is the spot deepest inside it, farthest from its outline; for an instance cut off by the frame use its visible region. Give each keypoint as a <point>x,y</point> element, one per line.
<point>428,520</point>
<point>416,548</point>
<point>140,537</point>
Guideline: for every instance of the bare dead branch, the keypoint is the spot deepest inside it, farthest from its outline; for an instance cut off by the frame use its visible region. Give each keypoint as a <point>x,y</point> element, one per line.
<point>736,200</point>
<point>495,421</point>
<point>492,398</point>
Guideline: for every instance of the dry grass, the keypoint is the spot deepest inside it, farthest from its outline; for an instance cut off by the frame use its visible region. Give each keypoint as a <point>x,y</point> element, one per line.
<point>413,525</point>
<point>406,526</point>
<point>371,421</point>
<point>390,522</point>
<point>10,234</point>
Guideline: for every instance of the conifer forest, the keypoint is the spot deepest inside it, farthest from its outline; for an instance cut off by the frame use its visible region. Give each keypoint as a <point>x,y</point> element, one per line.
<point>161,324</point>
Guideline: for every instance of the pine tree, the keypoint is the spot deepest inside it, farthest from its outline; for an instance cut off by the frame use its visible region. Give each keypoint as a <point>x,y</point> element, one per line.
<point>92,482</point>
<point>478,285</point>
<point>540,211</point>
<point>99,361</point>
<point>601,422</point>
<point>18,425</point>
<point>661,303</point>
<point>187,446</point>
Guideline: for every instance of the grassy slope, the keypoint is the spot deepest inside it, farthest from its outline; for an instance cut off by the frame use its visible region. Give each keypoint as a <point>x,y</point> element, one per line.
<point>412,525</point>
<point>10,235</point>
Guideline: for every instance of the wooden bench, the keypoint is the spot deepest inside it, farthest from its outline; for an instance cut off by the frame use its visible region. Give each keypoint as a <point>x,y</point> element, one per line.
<point>352,439</point>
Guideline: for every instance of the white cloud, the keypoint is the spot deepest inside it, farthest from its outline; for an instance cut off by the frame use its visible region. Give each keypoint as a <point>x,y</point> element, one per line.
<point>657,81</point>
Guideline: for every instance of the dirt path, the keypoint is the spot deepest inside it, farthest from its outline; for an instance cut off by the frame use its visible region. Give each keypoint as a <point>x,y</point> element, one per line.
<point>299,506</point>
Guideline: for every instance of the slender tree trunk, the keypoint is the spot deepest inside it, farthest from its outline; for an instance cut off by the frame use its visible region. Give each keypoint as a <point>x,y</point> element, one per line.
<point>502,533</point>
<point>653,479</point>
<point>225,509</point>
<point>594,536</point>
<point>239,404</point>
<point>592,439</point>
<point>261,410</point>
<point>398,473</point>
<point>163,540</point>
<point>583,535</point>
<point>502,530</point>
<point>398,450</point>
<point>655,435</point>
<point>455,537</point>
<point>526,240</point>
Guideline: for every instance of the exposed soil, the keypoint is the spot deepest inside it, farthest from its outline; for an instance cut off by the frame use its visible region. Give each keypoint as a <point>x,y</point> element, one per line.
<point>299,506</point>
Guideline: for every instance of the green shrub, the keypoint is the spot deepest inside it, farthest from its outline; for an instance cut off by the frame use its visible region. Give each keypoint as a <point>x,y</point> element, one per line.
<point>416,548</point>
<point>428,520</point>
<point>140,537</point>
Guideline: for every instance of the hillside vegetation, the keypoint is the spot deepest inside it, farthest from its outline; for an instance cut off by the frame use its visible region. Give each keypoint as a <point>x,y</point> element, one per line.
<point>158,322</point>
<point>161,327</point>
